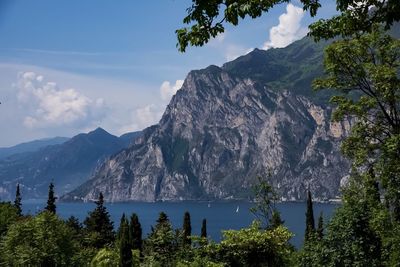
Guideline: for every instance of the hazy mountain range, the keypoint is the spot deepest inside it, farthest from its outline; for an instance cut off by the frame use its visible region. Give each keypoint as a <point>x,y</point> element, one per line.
<point>66,162</point>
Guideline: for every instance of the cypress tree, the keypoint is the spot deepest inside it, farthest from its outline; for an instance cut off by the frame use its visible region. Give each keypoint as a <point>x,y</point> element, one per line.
<point>98,222</point>
<point>51,200</point>
<point>204,228</point>
<point>135,232</point>
<point>123,219</point>
<point>17,201</point>
<point>310,223</point>
<point>187,229</point>
<point>320,227</point>
<point>125,248</point>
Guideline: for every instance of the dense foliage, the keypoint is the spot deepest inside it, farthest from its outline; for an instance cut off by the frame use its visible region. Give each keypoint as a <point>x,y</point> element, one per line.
<point>206,19</point>
<point>365,70</point>
<point>43,240</point>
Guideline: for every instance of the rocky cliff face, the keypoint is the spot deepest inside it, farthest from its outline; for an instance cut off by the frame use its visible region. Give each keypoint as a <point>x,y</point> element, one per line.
<point>219,132</point>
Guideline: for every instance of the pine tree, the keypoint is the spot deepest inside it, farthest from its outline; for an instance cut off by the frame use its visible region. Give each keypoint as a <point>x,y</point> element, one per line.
<point>99,225</point>
<point>275,220</point>
<point>162,218</point>
<point>186,229</point>
<point>74,223</point>
<point>310,223</point>
<point>135,232</point>
<point>51,200</point>
<point>320,228</point>
<point>161,242</point>
<point>204,228</point>
<point>125,248</point>
<point>17,201</point>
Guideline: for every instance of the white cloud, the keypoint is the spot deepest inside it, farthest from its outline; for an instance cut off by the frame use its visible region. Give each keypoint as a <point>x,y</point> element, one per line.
<point>143,117</point>
<point>148,115</point>
<point>288,30</point>
<point>167,90</point>
<point>217,40</point>
<point>46,105</point>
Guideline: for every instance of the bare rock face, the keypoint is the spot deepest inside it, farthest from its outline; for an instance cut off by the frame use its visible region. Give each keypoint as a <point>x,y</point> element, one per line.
<point>219,132</point>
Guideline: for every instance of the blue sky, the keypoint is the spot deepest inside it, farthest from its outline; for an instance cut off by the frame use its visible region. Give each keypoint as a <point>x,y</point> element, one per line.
<point>71,66</point>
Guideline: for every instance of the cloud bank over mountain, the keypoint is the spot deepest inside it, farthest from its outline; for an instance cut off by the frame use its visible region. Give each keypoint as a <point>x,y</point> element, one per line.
<point>288,30</point>
<point>46,105</point>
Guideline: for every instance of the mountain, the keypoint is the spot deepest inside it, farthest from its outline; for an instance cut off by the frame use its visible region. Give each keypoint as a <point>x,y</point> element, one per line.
<point>67,164</point>
<point>254,116</point>
<point>293,67</point>
<point>31,146</point>
<point>128,138</point>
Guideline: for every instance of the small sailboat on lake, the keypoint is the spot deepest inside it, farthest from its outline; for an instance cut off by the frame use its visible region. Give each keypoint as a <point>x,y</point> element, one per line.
<point>237,209</point>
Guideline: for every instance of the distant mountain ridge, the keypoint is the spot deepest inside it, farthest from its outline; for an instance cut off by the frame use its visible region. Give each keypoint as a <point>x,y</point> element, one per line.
<point>31,146</point>
<point>225,126</point>
<point>68,164</point>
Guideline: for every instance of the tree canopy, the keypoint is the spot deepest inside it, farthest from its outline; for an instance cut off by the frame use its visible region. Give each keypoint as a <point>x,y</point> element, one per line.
<point>365,73</point>
<point>44,240</point>
<point>207,19</point>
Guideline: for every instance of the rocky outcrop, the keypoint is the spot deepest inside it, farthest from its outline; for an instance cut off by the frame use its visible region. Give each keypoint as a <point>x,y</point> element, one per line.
<point>219,132</point>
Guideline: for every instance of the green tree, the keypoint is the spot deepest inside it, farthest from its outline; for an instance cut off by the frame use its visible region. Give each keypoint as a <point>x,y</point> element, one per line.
<point>206,19</point>
<point>350,239</point>
<point>99,227</point>
<point>264,199</point>
<point>275,220</point>
<point>204,228</point>
<point>320,227</point>
<point>310,223</point>
<point>43,240</point>
<point>121,222</point>
<point>135,232</point>
<point>125,247</point>
<point>364,71</point>
<point>254,247</point>
<point>74,223</point>
<point>186,229</point>
<point>51,200</point>
<point>8,216</point>
<point>17,201</point>
<point>160,244</point>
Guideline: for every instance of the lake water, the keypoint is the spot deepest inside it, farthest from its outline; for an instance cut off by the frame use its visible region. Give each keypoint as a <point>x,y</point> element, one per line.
<point>219,215</point>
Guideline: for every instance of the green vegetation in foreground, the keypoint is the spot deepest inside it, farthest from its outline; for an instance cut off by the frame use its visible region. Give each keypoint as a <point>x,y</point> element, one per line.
<point>361,233</point>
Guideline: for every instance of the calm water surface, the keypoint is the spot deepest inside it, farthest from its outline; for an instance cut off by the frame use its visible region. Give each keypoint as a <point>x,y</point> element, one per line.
<point>219,215</point>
